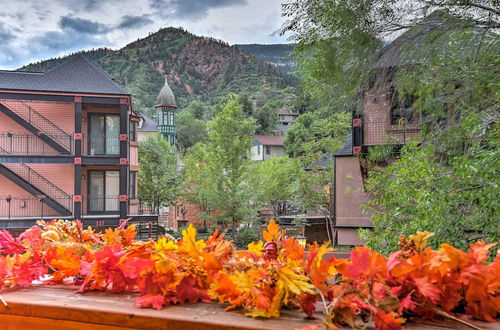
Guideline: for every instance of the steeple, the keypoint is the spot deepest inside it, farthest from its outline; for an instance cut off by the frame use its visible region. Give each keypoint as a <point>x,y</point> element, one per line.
<point>166,98</point>
<point>166,106</point>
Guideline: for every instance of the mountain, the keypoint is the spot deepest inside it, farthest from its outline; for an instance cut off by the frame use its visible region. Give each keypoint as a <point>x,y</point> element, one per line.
<point>279,55</point>
<point>198,68</point>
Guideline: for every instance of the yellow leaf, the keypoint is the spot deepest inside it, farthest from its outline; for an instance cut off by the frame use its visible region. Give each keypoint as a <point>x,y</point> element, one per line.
<point>256,248</point>
<point>293,283</point>
<point>190,245</point>
<point>420,240</point>
<point>164,246</point>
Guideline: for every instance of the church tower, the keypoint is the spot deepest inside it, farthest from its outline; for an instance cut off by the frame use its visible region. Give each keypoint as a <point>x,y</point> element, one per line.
<point>166,106</point>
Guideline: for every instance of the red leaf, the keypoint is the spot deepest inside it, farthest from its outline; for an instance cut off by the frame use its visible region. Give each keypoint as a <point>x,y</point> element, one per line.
<point>427,289</point>
<point>155,301</point>
<point>188,290</point>
<point>9,244</point>
<point>308,304</point>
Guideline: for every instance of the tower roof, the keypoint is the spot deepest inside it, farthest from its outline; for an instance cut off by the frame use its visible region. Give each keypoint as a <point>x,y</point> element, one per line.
<point>166,98</point>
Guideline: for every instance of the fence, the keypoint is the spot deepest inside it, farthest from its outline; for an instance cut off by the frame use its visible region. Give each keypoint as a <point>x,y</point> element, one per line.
<point>381,132</point>
<point>29,144</point>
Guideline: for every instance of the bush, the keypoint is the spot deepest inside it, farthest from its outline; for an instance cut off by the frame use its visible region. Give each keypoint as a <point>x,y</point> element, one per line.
<point>245,236</point>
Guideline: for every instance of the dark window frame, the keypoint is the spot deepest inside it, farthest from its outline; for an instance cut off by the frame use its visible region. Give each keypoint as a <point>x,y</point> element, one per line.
<point>89,142</point>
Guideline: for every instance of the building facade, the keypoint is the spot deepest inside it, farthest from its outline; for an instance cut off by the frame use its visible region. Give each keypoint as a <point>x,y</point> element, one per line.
<point>68,147</point>
<point>267,146</point>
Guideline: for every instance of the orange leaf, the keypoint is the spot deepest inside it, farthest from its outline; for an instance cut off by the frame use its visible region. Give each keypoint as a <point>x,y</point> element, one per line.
<point>388,321</point>
<point>272,234</point>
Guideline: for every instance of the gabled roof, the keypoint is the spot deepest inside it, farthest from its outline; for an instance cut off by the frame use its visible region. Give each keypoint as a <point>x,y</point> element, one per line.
<point>77,75</point>
<point>287,112</point>
<point>269,140</point>
<point>148,124</point>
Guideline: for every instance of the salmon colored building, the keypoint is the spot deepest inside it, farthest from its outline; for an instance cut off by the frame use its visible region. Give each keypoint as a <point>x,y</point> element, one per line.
<point>68,147</point>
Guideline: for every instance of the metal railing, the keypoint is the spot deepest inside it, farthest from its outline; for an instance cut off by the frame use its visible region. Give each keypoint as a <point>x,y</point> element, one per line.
<point>28,144</point>
<point>38,181</point>
<point>100,145</point>
<point>36,119</point>
<point>382,132</point>
<point>31,207</point>
<point>101,204</point>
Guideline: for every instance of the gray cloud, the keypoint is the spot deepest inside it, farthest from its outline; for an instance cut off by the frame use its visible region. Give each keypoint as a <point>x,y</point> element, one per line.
<point>127,22</point>
<point>190,8</point>
<point>82,25</point>
<point>5,35</point>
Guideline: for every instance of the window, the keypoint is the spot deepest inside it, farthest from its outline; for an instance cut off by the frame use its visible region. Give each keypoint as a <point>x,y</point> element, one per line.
<point>132,131</point>
<point>104,132</point>
<point>104,191</point>
<point>268,150</point>
<point>401,109</point>
<point>131,185</point>
<point>258,150</point>
<point>282,117</point>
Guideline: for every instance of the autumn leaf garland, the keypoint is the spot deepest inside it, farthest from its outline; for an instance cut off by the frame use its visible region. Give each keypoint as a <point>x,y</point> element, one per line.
<point>412,282</point>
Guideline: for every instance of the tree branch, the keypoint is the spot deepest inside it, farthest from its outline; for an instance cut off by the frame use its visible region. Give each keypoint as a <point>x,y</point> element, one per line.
<point>487,8</point>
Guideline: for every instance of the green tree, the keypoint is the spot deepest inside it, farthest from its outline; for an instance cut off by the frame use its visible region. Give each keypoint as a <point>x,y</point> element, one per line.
<point>246,104</point>
<point>190,130</point>
<point>310,135</point>
<point>198,109</point>
<point>159,181</point>
<point>276,183</point>
<point>458,201</point>
<point>226,167</point>
<point>449,69</point>
<point>266,117</point>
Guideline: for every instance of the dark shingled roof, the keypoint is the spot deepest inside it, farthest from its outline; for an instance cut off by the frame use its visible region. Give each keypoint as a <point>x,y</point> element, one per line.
<point>148,124</point>
<point>77,75</point>
<point>346,149</point>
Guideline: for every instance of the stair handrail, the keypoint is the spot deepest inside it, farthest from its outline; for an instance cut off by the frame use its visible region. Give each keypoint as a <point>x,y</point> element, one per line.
<point>35,113</point>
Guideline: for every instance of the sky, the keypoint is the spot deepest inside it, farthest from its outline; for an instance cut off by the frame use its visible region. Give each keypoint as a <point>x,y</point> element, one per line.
<point>32,30</point>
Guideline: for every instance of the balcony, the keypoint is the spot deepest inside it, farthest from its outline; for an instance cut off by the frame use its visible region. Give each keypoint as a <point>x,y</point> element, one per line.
<point>12,208</point>
<point>377,132</point>
<point>30,144</point>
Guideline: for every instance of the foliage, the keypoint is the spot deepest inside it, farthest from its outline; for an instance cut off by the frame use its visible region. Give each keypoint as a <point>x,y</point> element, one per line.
<point>311,135</point>
<point>276,182</point>
<point>189,129</point>
<point>414,281</point>
<point>220,167</point>
<point>245,236</point>
<point>415,191</point>
<point>159,181</point>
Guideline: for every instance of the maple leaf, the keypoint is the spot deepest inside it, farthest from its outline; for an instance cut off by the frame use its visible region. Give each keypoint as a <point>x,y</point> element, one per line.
<point>189,290</point>
<point>272,234</point>
<point>9,245</point>
<point>292,249</point>
<point>420,240</point>
<point>190,245</point>
<point>256,248</point>
<point>308,304</point>
<point>293,283</point>
<point>388,321</point>
<point>427,289</point>
<point>367,264</point>
<point>478,252</point>
<point>155,301</point>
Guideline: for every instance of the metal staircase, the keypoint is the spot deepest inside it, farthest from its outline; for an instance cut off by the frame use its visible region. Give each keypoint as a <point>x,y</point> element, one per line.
<point>37,124</point>
<point>37,185</point>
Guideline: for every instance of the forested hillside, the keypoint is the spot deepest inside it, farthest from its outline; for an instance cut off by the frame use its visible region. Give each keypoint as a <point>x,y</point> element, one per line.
<point>198,68</point>
<point>279,55</point>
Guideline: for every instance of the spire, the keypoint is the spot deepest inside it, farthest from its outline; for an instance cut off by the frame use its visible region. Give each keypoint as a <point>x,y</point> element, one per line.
<point>166,98</point>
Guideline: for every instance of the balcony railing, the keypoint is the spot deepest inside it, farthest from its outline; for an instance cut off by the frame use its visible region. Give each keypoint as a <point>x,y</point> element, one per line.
<point>140,205</point>
<point>31,207</point>
<point>101,145</point>
<point>29,144</point>
<point>101,204</point>
<point>382,132</point>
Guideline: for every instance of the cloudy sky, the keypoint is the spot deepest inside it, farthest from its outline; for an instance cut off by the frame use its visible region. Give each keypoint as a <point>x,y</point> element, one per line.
<point>31,30</point>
